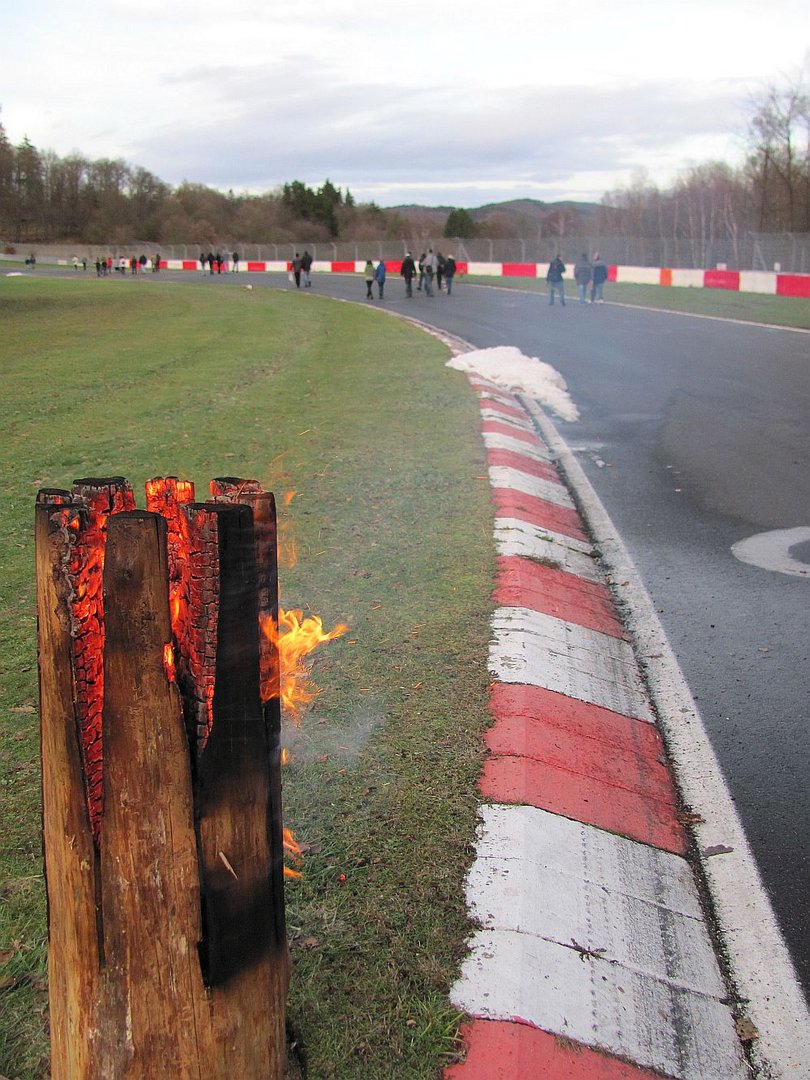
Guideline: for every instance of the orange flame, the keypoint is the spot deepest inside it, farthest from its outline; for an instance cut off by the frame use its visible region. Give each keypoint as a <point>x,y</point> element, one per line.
<point>295,639</point>
<point>168,662</point>
<point>294,850</point>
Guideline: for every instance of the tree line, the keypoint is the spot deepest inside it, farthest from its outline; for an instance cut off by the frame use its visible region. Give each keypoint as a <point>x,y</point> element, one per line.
<point>47,198</point>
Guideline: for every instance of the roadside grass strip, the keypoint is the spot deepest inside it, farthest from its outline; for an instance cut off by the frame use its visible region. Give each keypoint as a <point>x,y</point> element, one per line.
<point>591,957</point>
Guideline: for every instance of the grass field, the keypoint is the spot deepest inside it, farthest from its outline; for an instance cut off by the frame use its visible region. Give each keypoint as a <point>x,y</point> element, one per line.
<point>748,307</point>
<point>357,414</point>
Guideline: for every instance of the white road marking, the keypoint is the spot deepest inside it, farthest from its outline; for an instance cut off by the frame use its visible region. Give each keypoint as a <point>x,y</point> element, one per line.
<point>771,551</point>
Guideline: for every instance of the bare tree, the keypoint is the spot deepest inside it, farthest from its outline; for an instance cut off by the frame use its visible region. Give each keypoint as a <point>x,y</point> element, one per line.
<point>779,157</point>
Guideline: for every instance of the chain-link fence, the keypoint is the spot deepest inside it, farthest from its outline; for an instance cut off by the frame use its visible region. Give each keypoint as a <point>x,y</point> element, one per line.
<point>786,252</point>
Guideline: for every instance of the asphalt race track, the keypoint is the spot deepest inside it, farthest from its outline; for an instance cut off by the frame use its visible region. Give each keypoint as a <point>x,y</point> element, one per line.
<point>695,434</point>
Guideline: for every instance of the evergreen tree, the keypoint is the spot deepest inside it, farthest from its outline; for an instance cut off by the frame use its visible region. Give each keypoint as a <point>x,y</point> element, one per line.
<point>460,225</point>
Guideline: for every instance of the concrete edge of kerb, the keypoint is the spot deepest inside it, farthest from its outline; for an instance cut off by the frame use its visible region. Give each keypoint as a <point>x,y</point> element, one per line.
<point>759,962</point>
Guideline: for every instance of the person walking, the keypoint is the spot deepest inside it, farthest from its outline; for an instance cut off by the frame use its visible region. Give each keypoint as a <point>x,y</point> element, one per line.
<point>449,273</point>
<point>379,277</point>
<point>408,272</point>
<point>439,270</point>
<point>599,274</point>
<point>430,269</point>
<point>235,262</point>
<point>421,265</point>
<point>554,280</point>
<point>368,274</point>
<point>296,269</point>
<point>582,276</point>
<point>306,266</point>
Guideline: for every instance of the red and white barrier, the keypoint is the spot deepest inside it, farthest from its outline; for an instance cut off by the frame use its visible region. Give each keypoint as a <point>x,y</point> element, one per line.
<point>753,281</point>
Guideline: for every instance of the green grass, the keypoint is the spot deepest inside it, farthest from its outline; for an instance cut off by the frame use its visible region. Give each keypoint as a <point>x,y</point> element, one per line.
<point>748,307</point>
<point>358,414</point>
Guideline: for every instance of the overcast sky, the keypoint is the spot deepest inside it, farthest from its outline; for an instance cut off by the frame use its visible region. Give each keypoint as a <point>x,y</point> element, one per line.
<point>401,101</point>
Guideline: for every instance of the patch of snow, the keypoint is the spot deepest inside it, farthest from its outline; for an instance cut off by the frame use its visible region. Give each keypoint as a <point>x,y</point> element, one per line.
<point>507,366</point>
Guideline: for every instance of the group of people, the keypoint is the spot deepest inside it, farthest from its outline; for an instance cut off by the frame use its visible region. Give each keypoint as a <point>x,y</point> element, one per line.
<point>593,272</point>
<point>215,262</point>
<point>134,264</point>
<point>428,268</point>
<point>301,266</point>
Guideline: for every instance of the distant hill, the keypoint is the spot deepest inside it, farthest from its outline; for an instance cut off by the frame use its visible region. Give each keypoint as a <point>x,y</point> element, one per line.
<point>521,210</point>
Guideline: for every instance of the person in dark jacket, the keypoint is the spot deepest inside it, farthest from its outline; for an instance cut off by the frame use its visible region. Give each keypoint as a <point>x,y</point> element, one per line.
<point>439,270</point>
<point>306,266</point>
<point>554,280</point>
<point>408,271</point>
<point>379,277</point>
<point>599,274</point>
<point>296,270</point>
<point>582,276</point>
<point>449,273</point>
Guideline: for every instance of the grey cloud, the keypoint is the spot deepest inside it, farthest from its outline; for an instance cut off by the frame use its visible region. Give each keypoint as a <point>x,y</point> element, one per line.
<point>278,123</point>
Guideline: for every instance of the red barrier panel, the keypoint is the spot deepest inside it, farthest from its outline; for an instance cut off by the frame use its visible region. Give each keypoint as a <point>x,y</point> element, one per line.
<point>188,264</point>
<point>666,277</point>
<point>722,279</point>
<point>257,267</point>
<point>462,268</point>
<point>612,272</point>
<point>519,270</point>
<point>793,285</point>
<point>342,267</point>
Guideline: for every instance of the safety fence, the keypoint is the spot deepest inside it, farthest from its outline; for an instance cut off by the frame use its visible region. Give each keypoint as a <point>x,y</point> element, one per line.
<point>749,281</point>
<point>752,281</point>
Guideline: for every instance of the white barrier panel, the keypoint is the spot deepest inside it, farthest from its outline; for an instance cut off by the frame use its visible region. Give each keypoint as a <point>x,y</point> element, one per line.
<point>487,269</point>
<point>688,278</point>
<point>639,275</point>
<point>758,281</point>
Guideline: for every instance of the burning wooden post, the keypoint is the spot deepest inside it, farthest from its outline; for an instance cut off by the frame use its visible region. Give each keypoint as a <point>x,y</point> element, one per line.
<point>161,807</point>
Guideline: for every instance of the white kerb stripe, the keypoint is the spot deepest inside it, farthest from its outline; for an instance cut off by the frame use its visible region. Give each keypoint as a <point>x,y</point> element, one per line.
<point>520,888</point>
<point>506,418</point>
<point>501,476</point>
<point>515,537</point>
<point>497,440</point>
<point>538,649</point>
<point>512,976</point>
